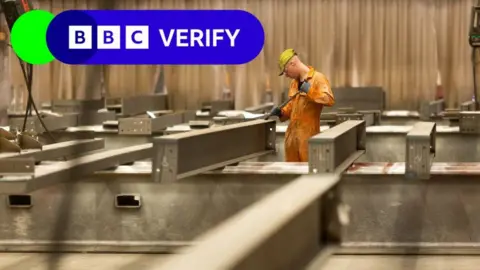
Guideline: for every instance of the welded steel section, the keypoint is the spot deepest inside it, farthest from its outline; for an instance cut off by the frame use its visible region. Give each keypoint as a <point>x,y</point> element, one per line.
<point>368,118</point>
<point>360,98</point>
<point>335,149</point>
<point>74,169</point>
<point>90,118</point>
<point>185,154</point>
<point>72,106</point>
<point>33,125</point>
<point>17,167</point>
<point>58,150</point>
<point>287,230</point>
<point>263,108</point>
<point>220,105</point>
<point>431,108</point>
<point>145,126</point>
<point>420,150</point>
<point>468,106</point>
<point>130,106</point>
<point>470,122</point>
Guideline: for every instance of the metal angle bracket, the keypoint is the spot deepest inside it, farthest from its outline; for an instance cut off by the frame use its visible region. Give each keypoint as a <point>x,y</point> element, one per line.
<point>420,150</point>
<point>185,154</point>
<point>336,148</point>
<point>470,122</point>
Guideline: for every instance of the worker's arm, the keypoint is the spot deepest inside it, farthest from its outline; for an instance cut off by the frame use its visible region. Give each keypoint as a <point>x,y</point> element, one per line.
<point>288,108</point>
<point>320,92</point>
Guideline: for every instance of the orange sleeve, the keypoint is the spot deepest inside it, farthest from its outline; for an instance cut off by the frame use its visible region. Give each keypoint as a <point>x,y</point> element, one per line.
<point>286,111</point>
<point>321,92</point>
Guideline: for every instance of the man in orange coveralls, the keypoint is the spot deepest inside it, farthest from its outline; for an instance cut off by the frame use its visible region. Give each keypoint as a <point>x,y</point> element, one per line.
<point>305,108</point>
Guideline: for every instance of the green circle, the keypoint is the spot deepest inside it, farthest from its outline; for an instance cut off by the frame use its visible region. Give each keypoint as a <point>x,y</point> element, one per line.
<point>29,37</point>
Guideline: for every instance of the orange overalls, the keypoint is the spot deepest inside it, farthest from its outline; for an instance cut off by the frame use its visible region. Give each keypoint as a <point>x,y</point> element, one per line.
<point>304,114</point>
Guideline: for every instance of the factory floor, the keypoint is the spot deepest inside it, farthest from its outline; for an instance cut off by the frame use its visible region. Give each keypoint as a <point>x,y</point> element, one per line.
<point>27,261</point>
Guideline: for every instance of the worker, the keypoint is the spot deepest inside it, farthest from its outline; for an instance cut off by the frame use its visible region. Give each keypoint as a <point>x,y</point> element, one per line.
<point>305,108</point>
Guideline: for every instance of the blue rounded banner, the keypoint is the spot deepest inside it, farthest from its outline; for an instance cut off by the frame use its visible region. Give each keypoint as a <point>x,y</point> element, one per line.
<point>155,37</point>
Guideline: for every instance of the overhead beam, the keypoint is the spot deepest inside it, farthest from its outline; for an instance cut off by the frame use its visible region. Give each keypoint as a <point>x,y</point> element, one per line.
<point>420,150</point>
<point>288,229</point>
<point>74,169</point>
<point>185,154</point>
<point>335,149</point>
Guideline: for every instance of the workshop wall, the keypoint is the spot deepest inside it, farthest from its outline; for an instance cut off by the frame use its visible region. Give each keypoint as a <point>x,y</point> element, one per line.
<point>406,46</point>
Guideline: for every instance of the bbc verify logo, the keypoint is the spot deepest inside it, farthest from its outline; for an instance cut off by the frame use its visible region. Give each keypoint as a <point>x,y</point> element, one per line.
<point>137,37</point>
<point>155,37</point>
<point>108,37</point>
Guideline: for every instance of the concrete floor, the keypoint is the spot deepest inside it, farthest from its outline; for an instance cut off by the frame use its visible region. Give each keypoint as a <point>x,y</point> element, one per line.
<point>26,261</point>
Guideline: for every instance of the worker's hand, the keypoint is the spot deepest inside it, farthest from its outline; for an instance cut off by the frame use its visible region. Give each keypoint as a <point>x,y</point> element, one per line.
<point>276,112</point>
<point>304,87</point>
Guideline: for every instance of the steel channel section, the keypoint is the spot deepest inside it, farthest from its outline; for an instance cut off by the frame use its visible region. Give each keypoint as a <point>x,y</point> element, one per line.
<point>263,108</point>
<point>220,105</point>
<point>58,150</point>
<point>140,104</point>
<point>146,126</point>
<point>285,230</point>
<point>420,150</point>
<point>360,98</point>
<point>185,154</point>
<point>329,150</point>
<point>51,122</point>
<point>470,122</point>
<point>74,169</point>
<point>89,118</point>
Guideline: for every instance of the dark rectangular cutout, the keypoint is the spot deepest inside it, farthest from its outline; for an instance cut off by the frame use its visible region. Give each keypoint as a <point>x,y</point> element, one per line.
<point>19,201</point>
<point>128,201</point>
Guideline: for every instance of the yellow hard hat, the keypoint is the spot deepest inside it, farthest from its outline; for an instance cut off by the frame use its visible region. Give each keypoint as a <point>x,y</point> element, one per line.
<point>284,58</point>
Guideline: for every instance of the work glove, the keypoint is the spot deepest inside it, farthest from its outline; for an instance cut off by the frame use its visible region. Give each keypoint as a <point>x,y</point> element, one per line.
<point>276,112</point>
<point>304,87</point>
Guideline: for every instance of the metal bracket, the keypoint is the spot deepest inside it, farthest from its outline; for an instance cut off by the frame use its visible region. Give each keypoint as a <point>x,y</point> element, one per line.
<point>420,150</point>
<point>470,122</point>
<point>146,126</point>
<point>293,225</point>
<point>185,154</point>
<point>431,108</point>
<point>335,149</point>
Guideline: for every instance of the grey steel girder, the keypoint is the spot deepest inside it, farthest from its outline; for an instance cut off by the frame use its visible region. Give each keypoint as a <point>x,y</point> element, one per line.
<point>335,149</point>
<point>52,123</point>
<point>72,106</point>
<point>295,227</point>
<point>420,150</point>
<point>468,106</point>
<point>130,106</point>
<point>74,169</point>
<point>263,108</point>
<point>185,154</point>
<point>58,150</point>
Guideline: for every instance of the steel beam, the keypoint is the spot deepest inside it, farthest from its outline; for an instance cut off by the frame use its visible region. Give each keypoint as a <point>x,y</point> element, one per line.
<point>33,125</point>
<point>420,150</point>
<point>335,149</point>
<point>58,150</point>
<point>130,106</point>
<point>431,108</point>
<point>289,229</point>
<point>468,106</point>
<point>263,108</point>
<point>360,98</point>
<point>73,106</point>
<point>145,126</point>
<point>470,122</point>
<point>74,169</point>
<point>186,154</point>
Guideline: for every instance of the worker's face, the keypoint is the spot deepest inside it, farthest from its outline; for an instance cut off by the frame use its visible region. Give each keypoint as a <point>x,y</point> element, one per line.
<point>290,70</point>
